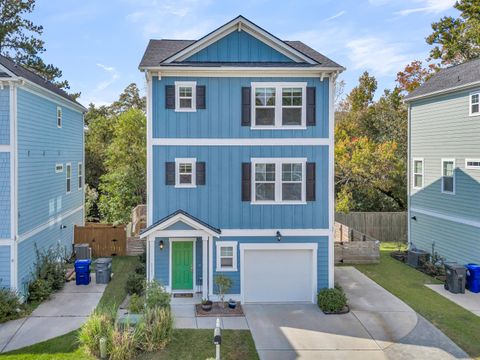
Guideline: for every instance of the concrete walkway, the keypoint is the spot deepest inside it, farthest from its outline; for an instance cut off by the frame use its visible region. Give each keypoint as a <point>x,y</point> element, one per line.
<point>469,300</point>
<point>379,326</point>
<point>66,311</point>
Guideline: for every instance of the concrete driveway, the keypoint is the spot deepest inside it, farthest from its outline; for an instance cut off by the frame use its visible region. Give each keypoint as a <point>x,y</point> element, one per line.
<point>379,326</point>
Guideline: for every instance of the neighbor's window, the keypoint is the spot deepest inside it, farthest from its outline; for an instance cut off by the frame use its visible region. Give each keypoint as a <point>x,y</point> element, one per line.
<point>185,172</point>
<point>58,168</point>
<point>279,180</point>
<point>69,177</point>
<point>226,256</point>
<point>185,95</point>
<point>80,176</point>
<point>472,163</point>
<point>59,117</point>
<point>475,104</point>
<point>448,176</point>
<point>417,173</point>
<point>279,105</point>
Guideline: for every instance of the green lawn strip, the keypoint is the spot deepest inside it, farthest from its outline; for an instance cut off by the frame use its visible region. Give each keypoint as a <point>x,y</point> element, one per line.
<point>459,324</point>
<point>190,344</point>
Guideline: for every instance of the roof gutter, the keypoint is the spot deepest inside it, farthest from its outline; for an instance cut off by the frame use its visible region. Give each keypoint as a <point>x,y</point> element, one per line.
<point>443,91</point>
<point>240,68</point>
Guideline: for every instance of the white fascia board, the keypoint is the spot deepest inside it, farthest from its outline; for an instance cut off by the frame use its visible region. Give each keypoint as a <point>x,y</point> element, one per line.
<point>447,217</point>
<point>242,141</point>
<point>5,70</point>
<point>180,217</point>
<point>443,91</point>
<point>240,24</point>
<point>233,71</point>
<point>272,232</point>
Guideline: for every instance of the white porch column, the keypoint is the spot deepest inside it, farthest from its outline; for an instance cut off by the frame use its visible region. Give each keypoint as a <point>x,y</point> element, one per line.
<point>205,267</point>
<point>151,257</point>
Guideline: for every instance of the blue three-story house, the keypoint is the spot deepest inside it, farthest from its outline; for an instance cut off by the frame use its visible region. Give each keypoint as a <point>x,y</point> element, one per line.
<point>240,165</point>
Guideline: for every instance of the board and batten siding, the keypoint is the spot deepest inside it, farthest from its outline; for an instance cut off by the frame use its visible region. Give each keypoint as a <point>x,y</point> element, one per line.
<point>238,46</point>
<point>442,128</point>
<point>5,200</point>
<point>222,116</point>
<point>219,204</point>
<point>5,266</point>
<point>5,116</point>
<point>41,144</point>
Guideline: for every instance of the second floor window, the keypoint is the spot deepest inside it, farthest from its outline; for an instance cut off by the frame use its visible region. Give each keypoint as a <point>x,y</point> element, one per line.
<point>185,172</point>
<point>417,173</point>
<point>59,117</point>
<point>278,105</point>
<point>448,176</point>
<point>69,177</point>
<point>185,96</point>
<point>80,176</point>
<point>475,104</point>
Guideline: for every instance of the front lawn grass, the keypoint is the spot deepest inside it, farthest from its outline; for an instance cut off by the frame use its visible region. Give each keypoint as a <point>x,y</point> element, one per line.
<point>459,324</point>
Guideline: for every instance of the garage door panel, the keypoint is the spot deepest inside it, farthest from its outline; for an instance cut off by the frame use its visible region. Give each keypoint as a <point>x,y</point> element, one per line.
<point>278,275</point>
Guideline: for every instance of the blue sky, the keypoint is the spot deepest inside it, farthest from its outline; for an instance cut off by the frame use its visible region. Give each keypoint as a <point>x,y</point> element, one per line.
<point>98,44</point>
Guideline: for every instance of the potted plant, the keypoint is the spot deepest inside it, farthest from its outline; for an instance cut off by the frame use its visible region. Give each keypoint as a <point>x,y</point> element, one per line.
<point>206,305</point>
<point>232,304</point>
<point>223,286</point>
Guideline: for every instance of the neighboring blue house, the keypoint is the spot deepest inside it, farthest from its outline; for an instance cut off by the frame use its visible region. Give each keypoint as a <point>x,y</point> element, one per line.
<point>240,164</point>
<point>444,153</point>
<point>41,171</point>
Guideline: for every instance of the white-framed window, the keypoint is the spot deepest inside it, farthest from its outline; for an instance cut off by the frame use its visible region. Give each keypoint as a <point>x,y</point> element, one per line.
<point>59,116</point>
<point>185,96</point>
<point>279,105</point>
<point>279,180</point>
<point>58,168</point>
<point>226,256</point>
<point>185,172</point>
<point>475,104</point>
<point>68,177</point>
<point>80,175</point>
<point>448,176</point>
<point>418,173</point>
<point>472,164</point>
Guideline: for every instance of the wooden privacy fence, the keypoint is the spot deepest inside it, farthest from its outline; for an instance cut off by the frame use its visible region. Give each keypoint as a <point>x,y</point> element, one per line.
<point>383,226</point>
<point>104,239</point>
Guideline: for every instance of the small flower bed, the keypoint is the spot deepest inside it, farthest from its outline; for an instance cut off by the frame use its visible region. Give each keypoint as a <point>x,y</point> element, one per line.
<point>332,301</point>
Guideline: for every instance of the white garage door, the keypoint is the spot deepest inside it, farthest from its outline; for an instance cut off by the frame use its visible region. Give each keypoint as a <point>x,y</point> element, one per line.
<point>277,275</point>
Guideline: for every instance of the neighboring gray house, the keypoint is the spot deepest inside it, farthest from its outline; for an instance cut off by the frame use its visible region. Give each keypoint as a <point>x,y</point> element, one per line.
<point>444,164</point>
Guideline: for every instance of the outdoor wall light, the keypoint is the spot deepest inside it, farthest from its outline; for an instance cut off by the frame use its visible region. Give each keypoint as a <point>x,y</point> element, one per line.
<point>63,226</point>
<point>279,236</point>
<point>414,218</point>
<point>161,244</point>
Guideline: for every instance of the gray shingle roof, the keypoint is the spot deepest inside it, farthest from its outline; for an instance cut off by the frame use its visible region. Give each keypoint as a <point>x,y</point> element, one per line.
<point>23,72</point>
<point>451,77</point>
<point>159,50</point>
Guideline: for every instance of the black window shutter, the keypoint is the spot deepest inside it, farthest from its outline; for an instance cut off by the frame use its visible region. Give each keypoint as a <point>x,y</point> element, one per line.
<point>169,96</point>
<point>201,102</point>
<point>311,100</point>
<point>201,174</point>
<point>246,181</point>
<point>246,106</point>
<point>169,173</point>
<point>310,181</point>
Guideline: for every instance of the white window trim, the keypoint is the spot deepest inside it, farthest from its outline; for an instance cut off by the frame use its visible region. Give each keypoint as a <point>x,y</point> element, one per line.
<point>470,103</point>
<point>472,167</point>
<point>193,162</point>
<point>58,171</point>
<point>414,173</point>
<point>278,180</point>
<point>80,169</point>
<point>67,165</point>
<point>193,85</point>
<point>278,105</point>
<point>59,124</point>
<point>441,174</point>
<point>234,245</point>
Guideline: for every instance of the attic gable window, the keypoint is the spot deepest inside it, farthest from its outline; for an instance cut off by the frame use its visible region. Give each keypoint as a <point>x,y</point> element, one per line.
<point>474,104</point>
<point>185,96</point>
<point>279,105</point>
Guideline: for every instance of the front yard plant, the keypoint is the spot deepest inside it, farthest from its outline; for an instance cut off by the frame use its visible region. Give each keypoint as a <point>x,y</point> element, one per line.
<point>332,301</point>
<point>224,284</point>
<point>10,305</point>
<point>98,325</point>
<point>156,296</point>
<point>155,330</point>
<point>135,284</point>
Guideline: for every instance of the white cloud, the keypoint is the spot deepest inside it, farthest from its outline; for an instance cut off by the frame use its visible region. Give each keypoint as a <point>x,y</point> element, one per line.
<point>337,15</point>
<point>102,85</point>
<point>378,55</point>
<point>428,6</point>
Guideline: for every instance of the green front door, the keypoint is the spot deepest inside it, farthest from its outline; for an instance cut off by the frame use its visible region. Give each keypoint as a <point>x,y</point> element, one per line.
<point>182,265</point>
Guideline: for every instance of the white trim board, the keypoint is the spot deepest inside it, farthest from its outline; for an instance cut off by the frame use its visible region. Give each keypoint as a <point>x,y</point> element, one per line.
<point>447,217</point>
<point>443,91</point>
<point>331,181</point>
<point>242,141</point>
<point>231,71</point>
<point>180,217</point>
<point>273,232</point>
<point>46,225</point>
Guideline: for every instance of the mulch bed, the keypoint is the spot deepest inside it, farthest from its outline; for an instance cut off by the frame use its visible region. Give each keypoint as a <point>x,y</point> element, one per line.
<point>345,310</point>
<point>219,310</point>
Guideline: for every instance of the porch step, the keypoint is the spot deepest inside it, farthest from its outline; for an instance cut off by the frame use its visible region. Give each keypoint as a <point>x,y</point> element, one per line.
<point>183,295</point>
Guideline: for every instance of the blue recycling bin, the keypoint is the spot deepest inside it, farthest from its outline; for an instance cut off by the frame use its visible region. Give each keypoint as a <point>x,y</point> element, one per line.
<point>82,271</point>
<point>473,278</point>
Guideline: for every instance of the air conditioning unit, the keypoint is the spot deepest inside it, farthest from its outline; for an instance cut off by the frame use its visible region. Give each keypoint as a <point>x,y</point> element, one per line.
<point>83,251</point>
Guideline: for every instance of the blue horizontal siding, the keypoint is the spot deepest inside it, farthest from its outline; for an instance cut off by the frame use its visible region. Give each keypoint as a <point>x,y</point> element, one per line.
<point>5,116</point>
<point>219,204</point>
<point>222,116</point>
<point>41,191</point>
<point>5,196</point>
<point>49,238</point>
<point>239,46</point>
<point>4,266</point>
